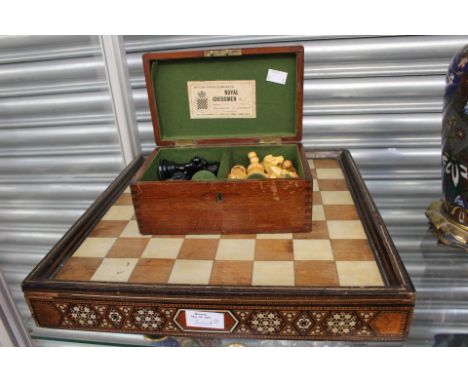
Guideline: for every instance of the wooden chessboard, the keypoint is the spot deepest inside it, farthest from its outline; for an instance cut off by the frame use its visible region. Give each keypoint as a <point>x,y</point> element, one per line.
<point>336,253</point>
<point>344,280</point>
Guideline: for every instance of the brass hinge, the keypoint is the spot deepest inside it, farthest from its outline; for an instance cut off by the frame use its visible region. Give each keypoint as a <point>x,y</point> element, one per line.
<point>223,52</point>
<point>184,142</point>
<point>270,140</point>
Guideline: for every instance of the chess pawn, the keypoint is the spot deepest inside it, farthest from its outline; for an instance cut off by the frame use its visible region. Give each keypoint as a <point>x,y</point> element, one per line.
<point>287,165</point>
<point>288,174</point>
<point>238,172</point>
<point>255,165</point>
<point>252,154</point>
<point>255,168</point>
<point>288,170</point>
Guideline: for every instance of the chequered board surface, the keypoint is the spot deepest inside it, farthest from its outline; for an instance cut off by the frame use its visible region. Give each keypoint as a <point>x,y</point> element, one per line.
<point>335,253</point>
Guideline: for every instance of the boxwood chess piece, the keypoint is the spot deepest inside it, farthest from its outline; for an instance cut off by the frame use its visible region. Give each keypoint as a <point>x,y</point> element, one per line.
<point>449,216</point>
<point>184,171</point>
<point>272,167</point>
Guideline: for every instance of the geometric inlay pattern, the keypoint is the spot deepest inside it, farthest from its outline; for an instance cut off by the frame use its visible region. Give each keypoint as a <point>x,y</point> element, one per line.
<point>148,318</point>
<point>266,322</point>
<point>304,323</point>
<point>115,317</point>
<point>342,323</point>
<point>83,315</point>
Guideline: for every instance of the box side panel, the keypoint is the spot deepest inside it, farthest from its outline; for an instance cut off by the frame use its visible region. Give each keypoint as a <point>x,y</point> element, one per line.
<point>383,320</point>
<point>228,207</point>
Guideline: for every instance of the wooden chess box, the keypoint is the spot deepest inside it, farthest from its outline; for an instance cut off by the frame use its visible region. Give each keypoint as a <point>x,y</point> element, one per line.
<point>267,120</point>
<point>344,280</point>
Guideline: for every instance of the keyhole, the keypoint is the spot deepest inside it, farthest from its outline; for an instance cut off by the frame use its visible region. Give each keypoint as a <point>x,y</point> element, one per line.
<point>219,197</point>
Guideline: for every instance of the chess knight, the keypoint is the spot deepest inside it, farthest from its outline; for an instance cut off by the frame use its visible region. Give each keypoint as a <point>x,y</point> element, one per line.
<point>449,217</point>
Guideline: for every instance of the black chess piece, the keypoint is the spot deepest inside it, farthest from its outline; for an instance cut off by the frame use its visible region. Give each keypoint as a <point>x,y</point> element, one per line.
<point>179,171</point>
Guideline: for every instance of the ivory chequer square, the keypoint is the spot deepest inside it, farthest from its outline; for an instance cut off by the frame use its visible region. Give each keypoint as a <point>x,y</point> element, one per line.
<point>358,273</point>
<point>315,185</point>
<point>235,249</point>
<point>119,213</point>
<point>191,272</point>
<point>131,230</point>
<point>335,254</point>
<point>329,173</point>
<point>336,197</point>
<point>318,213</point>
<point>273,273</point>
<point>346,229</point>
<point>319,249</point>
<point>163,248</point>
<point>114,270</point>
<point>274,236</point>
<point>95,247</point>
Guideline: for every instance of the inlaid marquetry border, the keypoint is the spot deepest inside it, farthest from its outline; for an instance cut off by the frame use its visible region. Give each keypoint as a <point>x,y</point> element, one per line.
<point>262,322</point>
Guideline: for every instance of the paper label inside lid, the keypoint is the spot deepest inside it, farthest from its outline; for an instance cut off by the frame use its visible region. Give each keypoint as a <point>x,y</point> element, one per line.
<point>221,99</point>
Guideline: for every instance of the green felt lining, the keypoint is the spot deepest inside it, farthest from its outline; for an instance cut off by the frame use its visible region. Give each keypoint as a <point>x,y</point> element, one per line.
<point>228,156</point>
<point>275,103</point>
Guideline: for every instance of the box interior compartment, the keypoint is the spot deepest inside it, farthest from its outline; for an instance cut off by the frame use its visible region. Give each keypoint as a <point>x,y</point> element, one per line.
<point>276,104</point>
<point>228,156</point>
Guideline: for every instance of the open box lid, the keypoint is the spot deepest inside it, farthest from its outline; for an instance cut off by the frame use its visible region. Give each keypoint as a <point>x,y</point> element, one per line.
<point>251,95</point>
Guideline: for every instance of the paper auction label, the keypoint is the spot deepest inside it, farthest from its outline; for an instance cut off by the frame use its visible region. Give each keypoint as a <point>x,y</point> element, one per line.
<point>221,99</point>
<point>209,320</point>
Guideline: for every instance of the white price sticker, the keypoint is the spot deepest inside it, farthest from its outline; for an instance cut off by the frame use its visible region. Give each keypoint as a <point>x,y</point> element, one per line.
<point>209,320</point>
<point>277,76</point>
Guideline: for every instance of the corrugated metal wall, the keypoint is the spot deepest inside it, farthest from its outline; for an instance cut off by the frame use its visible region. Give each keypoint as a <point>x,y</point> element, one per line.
<point>59,146</point>
<point>381,97</point>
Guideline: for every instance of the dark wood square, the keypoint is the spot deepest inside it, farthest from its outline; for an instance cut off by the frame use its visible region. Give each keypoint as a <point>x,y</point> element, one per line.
<point>326,163</point>
<point>315,273</point>
<point>124,200</point>
<point>240,236</point>
<point>128,247</point>
<point>198,249</point>
<point>79,269</point>
<point>156,271</point>
<point>332,184</point>
<point>227,272</point>
<point>316,198</point>
<point>273,249</point>
<point>109,228</point>
<point>340,212</point>
<point>348,249</point>
<point>319,231</point>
